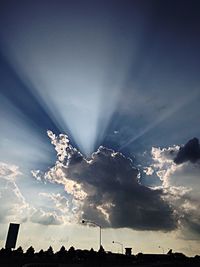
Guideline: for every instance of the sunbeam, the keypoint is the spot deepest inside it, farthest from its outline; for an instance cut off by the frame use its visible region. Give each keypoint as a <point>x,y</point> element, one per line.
<point>21,144</point>
<point>77,73</point>
<point>175,107</point>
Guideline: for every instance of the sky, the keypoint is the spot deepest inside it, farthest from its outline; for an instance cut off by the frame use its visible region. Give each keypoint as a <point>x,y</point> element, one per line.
<point>99,115</point>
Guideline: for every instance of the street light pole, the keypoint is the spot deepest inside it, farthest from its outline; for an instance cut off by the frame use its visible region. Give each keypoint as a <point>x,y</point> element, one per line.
<point>99,236</point>
<point>122,249</point>
<point>91,222</point>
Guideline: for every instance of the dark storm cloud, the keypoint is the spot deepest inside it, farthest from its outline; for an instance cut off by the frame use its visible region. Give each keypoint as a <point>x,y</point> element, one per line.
<point>189,152</point>
<point>113,195</point>
<point>115,180</point>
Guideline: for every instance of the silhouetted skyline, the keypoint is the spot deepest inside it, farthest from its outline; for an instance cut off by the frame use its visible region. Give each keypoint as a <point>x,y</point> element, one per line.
<point>72,257</point>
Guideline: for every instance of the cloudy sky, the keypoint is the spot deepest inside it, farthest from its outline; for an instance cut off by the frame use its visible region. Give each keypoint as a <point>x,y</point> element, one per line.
<point>99,113</point>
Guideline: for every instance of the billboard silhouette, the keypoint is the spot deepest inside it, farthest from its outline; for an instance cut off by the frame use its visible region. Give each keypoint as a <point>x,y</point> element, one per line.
<point>12,235</point>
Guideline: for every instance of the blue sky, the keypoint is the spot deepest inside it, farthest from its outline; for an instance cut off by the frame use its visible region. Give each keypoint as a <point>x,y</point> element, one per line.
<point>121,75</point>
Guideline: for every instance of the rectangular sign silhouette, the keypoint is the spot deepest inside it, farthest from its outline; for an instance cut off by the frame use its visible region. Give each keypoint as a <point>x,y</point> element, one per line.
<point>12,235</point>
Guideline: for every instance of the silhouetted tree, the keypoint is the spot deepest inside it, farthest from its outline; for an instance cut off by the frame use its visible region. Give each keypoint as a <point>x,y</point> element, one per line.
<point>41,253</point>
<point>3,252</point>
<point>62,252</point>
<point>19,250</point>
<point>18,253</point>
<point>50,251</point>
<point>62,249</point>
<point>71,252</point>
<point>101,250</point>
<point>30,252</point>
<point>92,254</point>
<point>71,249</point>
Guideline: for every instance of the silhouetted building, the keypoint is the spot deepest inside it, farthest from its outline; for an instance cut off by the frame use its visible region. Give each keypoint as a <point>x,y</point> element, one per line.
<point>128,251</point>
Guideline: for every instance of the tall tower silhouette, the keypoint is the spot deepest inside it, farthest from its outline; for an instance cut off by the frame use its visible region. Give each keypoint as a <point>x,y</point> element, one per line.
<point>12,235</point>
